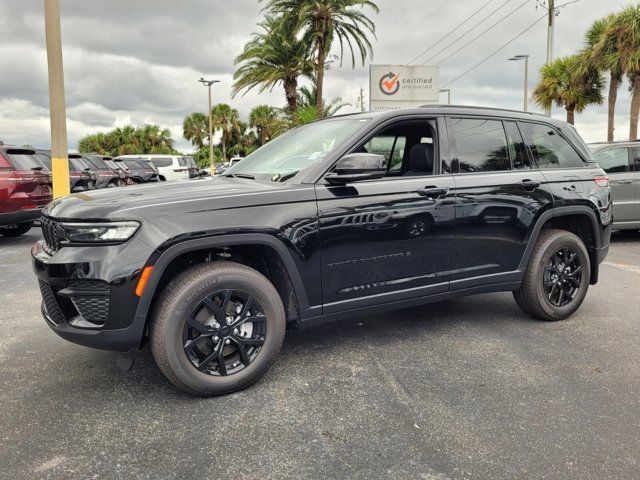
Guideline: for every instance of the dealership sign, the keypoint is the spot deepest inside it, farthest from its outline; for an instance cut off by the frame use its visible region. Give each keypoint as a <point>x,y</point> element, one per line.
<point>402,86</point>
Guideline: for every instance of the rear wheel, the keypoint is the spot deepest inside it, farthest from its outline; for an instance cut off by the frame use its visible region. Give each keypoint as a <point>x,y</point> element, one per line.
<point>217,328</point>
<point>557,277</point>
<point>16,230</point>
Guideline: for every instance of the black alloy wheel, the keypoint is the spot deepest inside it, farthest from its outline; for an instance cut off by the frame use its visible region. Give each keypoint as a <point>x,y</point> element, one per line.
<point>224,332</point>
<point>562,277</point>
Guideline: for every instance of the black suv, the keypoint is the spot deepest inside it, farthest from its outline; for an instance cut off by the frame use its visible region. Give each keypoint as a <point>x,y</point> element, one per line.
<point>346,216</point>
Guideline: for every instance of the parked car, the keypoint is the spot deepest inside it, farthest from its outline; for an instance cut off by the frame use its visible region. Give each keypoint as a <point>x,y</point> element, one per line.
<point>621,161</point>
<point>81,177</point>
<point>210,273</point>
<point>25,188</point>
<point>141,169</point>
<point>106,176</point>
<point>194,171</point>
<point>170,167</point>
<point>123,171</point>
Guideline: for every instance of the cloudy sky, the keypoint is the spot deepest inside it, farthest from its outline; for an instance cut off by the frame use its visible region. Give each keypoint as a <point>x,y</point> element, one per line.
<point>138,61</point>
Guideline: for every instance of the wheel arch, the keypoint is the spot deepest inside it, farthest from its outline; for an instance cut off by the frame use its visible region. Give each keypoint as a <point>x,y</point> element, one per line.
<point>255,250</point>
<point>580,220</point>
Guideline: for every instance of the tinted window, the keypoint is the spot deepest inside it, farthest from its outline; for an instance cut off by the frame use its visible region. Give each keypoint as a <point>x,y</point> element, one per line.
<point>548,148</point>
<point>77,165</point>
<point>481,145</point>
<point>23,159</point>
<point>613,160</point>
<point>46,160</point>
<point>162,162</point>
<point>390,147</point>
<point>133,164</point>
<point>182,161</point>
<point>95,163</point>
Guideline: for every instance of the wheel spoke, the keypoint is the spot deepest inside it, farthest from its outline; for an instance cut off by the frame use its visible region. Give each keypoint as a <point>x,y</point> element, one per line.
<point>225,303</point>
<point>243,352</point>
<point>248,342</point>
<point>222,367</point>
<point>217,350</point>
<point>189,344</point>
<point>561,293</point>
<point>193,323</point>
<point>574,272</point>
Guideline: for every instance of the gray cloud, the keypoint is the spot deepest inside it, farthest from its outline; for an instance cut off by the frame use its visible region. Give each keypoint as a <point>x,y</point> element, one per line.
<point>139,61</point>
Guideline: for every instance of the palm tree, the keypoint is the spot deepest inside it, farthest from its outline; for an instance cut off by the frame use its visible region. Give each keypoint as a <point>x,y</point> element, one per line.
<point>601,52</point>
<point>309,96</point>
<point>565,82</point>
<point>267,122</point>
<point>225,119</point>
<point>624,31</point>
<point>195,128</point>
<point>323,21</point>
<point>274,56</point>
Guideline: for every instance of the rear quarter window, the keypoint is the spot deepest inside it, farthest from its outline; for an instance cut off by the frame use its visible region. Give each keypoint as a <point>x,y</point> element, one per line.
<point>613,160</point>
<point>548,148</point>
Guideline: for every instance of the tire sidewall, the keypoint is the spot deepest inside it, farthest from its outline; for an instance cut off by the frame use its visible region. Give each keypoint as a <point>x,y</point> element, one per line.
<point>187,299</point>
<point>553,245</point>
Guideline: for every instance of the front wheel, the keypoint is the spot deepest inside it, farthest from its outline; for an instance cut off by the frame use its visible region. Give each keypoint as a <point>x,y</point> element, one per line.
<point>217,328</point>
<point>557,277</point>
<point>16,230</point>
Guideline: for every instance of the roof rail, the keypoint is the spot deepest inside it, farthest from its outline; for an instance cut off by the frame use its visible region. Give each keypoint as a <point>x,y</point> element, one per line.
<point>475,107</point>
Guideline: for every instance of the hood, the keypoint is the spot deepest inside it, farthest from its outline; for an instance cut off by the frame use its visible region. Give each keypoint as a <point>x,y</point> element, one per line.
<point>167,198</point>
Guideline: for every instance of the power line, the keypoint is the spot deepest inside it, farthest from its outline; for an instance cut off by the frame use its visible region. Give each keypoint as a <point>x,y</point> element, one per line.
<point>468,31</point>
<point>484,31</point>
<point>451,32</point>
<point>496,51</point>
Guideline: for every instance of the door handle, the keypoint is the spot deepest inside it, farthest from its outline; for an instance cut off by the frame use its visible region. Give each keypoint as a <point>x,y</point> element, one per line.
<point>529,184</point>
<point>624,182</point>
<point>432,191</point>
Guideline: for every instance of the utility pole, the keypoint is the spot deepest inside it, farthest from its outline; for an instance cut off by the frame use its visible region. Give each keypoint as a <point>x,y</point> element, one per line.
<point>361,99</point>
<point>208,83</point>
<point>57,111</point>
<point>551,23</point>
<point>448,90</point>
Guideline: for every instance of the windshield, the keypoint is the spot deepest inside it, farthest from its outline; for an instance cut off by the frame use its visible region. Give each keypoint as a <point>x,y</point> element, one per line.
<point>296,150</point>
<point>24,159</point>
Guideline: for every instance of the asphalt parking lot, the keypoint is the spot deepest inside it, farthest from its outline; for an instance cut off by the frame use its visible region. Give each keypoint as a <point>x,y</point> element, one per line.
<point>462,389</point>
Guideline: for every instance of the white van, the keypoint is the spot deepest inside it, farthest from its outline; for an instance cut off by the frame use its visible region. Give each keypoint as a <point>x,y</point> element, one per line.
<point>170,167</point>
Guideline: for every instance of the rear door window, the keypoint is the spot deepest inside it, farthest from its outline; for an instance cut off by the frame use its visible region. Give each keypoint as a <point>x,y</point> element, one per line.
<point>133,164</point>
<point>548,148</point>
<point>613,160</point>
<point>95,162</point>
<point>182,161</point>
<point>481,145</point>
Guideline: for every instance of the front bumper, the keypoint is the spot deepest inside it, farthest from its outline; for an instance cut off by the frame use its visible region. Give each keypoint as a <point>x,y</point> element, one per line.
<point>89,299</point>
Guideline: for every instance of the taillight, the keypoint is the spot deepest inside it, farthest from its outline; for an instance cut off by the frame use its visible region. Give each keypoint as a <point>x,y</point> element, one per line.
<point>75,174</point>
<point>601,180</point>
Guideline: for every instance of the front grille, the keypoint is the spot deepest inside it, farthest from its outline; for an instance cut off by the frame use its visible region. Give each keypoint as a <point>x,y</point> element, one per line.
<point>52,232</point>
<point>51,304</point>
<point>91,299</point>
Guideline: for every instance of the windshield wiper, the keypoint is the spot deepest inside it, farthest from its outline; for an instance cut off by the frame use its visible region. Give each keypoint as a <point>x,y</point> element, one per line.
<point>240,175</point>
<point>285,177</point>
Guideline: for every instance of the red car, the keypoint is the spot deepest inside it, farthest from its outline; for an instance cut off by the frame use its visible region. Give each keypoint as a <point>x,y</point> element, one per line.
<point>24,189</point>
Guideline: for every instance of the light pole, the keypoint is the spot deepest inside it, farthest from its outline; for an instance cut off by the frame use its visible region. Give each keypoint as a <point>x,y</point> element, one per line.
<point>448,90</point>
<point>208,83</point>
<point>524,57</point>
<point>57,111</point>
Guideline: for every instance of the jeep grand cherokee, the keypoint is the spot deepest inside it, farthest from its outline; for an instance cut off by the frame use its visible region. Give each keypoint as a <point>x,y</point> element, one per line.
<point>346,216</point>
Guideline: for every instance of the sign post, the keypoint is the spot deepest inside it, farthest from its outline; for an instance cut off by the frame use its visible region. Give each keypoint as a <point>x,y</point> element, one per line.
<point>403,86</point>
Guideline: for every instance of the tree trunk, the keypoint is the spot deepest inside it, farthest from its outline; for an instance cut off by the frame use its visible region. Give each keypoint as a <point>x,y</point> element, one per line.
<point>635,107</point>
<point>613,96</point>
<point>291,93</point>
<point>570,115</point>
<point>322,56</point>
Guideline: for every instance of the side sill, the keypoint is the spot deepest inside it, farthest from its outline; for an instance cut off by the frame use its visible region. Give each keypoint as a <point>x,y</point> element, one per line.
<point>438,297</point>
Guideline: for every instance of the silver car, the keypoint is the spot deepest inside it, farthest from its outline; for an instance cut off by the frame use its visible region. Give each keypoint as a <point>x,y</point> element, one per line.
<point>621,161</point>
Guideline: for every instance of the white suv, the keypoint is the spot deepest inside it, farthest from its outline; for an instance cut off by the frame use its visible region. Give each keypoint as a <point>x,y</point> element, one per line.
<point>170,167</point>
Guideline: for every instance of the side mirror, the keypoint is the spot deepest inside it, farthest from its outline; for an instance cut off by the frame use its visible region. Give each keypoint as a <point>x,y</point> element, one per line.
<point>356,167</point>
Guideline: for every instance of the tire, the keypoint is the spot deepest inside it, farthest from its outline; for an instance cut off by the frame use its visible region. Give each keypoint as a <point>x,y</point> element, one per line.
<point>547,270</point>
<point>16,230</point>
<point>170,334</point>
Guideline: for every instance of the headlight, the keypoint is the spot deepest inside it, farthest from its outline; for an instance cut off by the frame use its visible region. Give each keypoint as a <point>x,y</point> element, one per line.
<point>111,232</point>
